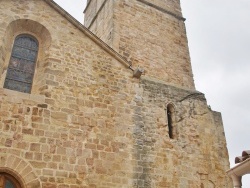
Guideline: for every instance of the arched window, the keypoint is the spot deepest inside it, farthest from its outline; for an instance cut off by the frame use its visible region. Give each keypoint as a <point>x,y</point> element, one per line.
<point>170,117</point>
<point>8,181</point>
<point>22,64</point>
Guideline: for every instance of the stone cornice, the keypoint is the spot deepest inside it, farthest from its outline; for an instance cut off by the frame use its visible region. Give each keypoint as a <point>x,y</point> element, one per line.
<point>162,10</point>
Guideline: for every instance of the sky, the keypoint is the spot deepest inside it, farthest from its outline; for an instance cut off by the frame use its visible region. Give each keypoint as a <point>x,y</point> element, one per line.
<point>218,34</point>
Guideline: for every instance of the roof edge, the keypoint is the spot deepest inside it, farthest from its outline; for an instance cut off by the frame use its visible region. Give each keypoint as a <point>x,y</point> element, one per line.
<point>87,32</point>
<point>240,169</point>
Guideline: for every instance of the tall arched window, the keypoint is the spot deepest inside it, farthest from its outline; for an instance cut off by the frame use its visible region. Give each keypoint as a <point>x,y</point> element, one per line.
<point>8,181</point>
<point>170,117</point>
<point>22,64</point>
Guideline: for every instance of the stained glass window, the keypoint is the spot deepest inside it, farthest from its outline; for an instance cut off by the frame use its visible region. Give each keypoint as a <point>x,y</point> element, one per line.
<point>8,181</point>
<point>9,184</point>
<point>22,64</point>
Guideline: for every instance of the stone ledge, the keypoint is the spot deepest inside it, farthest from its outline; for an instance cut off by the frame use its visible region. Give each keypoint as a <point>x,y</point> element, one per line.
<point>15,96</point>
<point>162,10</point>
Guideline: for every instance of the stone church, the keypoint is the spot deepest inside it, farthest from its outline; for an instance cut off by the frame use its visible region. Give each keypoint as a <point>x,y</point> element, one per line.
<point>111,104</point>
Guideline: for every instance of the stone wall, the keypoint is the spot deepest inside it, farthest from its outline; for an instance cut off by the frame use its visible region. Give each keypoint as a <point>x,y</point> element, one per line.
<point>99,17</point>
<point>67,132</point>
<point>197,154</point>
<point>149,34</point>
<point>88,123</point>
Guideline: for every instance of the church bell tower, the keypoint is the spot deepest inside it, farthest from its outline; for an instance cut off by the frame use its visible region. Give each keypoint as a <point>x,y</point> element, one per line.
<point>181,139</point>
<point>149,34</point>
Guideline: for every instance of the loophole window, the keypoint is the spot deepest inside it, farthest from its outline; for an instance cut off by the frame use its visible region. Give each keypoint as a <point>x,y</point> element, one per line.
<point>170,118</point>
<point>22,64</point>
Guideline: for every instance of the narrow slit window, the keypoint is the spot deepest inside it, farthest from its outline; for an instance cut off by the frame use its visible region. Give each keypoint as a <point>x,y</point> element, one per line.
<point>22,63</point>
<point>170,115</point>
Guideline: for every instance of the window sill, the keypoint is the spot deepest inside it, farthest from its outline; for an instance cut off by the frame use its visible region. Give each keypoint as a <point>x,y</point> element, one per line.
<point>16,96</point>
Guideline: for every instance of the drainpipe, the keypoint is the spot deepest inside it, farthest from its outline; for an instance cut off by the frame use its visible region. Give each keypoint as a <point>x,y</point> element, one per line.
<point>236,181</point>
<point>238,171</point>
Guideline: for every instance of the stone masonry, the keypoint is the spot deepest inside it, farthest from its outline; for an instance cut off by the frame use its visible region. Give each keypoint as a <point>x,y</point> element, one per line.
<point>88,123</point>
<point>149,34</point>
